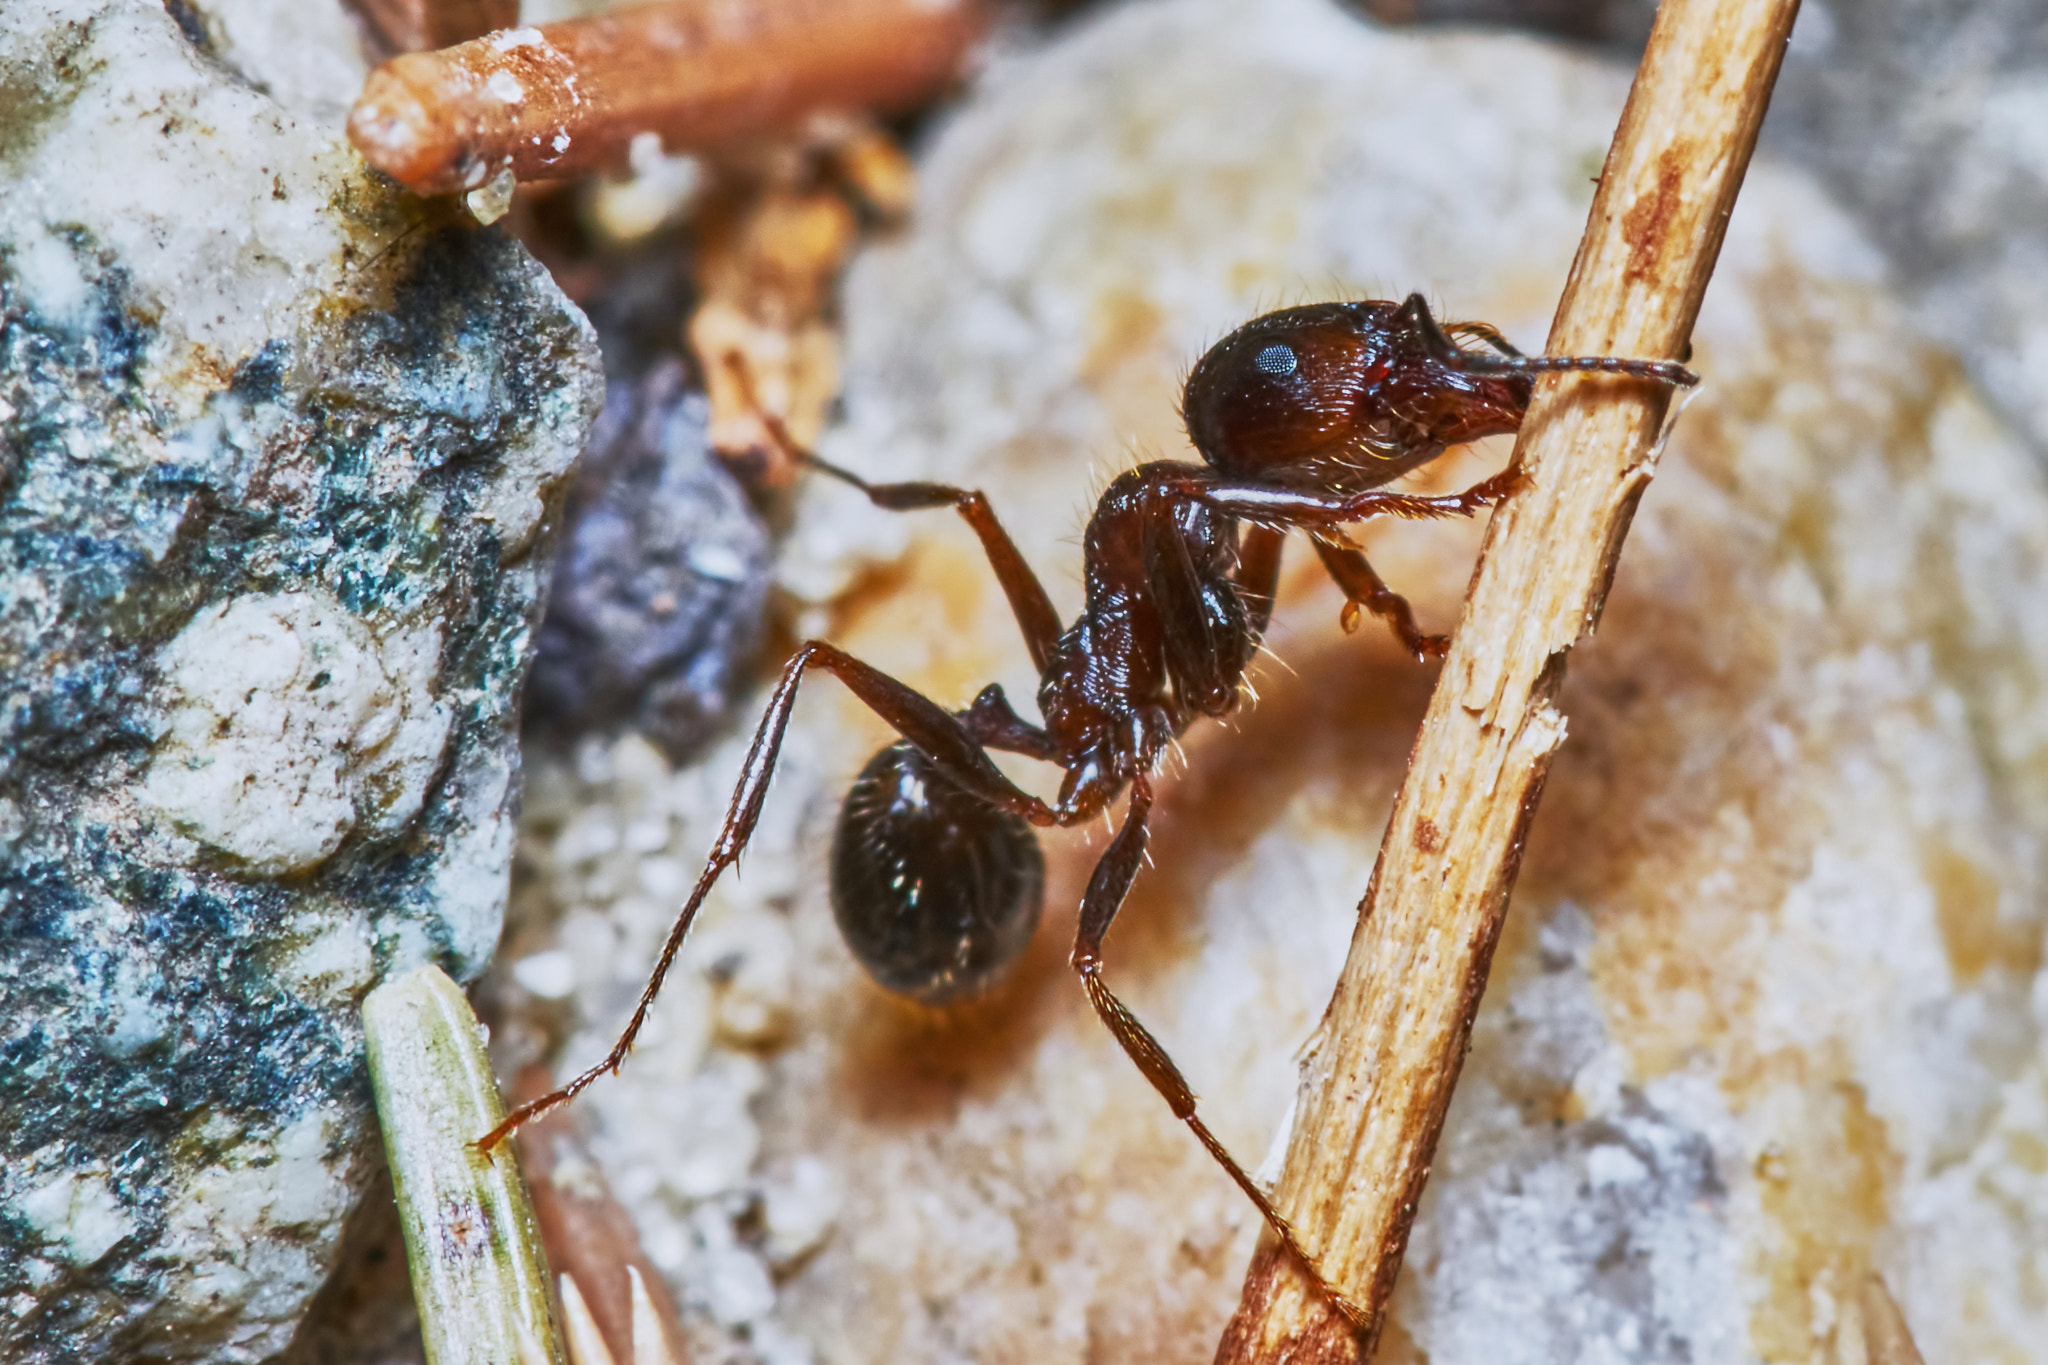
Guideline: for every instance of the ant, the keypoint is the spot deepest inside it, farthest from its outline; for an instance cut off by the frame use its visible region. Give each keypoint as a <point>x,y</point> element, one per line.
<point>1300,416</point>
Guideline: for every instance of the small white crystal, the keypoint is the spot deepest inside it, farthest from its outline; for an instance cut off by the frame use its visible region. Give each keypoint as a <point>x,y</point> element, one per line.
<point>490,201</point>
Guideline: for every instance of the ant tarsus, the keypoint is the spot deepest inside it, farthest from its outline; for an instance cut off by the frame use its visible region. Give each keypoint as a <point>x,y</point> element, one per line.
<point>1301,417</point>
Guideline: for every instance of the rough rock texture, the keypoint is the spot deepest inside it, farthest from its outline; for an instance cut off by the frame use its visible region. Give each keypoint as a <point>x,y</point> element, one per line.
<point>275,450</point>
<point>1931,122</point>
<point>1769,1013</point>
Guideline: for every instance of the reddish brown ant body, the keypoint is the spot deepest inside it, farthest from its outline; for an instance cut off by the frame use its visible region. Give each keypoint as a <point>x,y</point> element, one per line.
<point>1300,417</point>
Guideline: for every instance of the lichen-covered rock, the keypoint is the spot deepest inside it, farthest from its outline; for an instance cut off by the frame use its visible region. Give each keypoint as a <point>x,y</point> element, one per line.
<point>276,449</point>
<point>1768,1016</point>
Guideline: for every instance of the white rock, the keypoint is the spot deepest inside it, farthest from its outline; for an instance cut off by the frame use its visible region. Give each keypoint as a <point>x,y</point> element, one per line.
<point>285,731</point>
<point>78,1214</point>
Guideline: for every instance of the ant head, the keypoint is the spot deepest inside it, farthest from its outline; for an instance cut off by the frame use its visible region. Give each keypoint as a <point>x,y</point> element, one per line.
<point>1344,396</point>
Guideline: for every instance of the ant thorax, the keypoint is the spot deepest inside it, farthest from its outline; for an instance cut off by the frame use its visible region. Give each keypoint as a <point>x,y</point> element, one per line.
<point>1165,624</point>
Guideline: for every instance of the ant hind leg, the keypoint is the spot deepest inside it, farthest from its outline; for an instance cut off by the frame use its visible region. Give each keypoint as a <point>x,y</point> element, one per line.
<point>1107,888</point>
<point>940,734</point>
<point>1028,600</point>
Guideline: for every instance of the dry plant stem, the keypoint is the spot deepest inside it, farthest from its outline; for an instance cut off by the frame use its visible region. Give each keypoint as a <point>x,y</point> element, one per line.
<point>478,1274</point>
<point>569,97</point>
<point>770,244</point>
<point>1881,1336</point>
<point>1379,1076</point>
<point>765,272</point>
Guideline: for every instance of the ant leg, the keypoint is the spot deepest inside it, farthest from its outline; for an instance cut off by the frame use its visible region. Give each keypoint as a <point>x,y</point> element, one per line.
<point>1106,891</point>
<point>916,717</point>
<point>1258,575</point>
<point>1363,587</point>
<point>1270,505</point>
<point>1028,602</point>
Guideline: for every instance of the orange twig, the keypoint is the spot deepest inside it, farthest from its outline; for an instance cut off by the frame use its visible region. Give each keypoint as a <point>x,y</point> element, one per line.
<point>569,97</point>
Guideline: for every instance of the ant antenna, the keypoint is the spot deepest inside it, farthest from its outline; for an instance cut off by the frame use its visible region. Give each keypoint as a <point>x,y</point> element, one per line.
<point>1664,371</point>
<point>1668,371</point>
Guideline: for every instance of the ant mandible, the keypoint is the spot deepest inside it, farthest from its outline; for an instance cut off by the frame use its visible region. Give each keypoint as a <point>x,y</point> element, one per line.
<point>1300,416</point>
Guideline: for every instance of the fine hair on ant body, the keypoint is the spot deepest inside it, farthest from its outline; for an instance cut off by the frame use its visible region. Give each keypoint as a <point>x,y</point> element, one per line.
<point>1299,416</point>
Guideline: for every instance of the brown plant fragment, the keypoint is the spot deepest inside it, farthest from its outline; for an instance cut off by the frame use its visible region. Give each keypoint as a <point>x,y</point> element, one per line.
<point>769,248</point>
<point>588,1234</point>
<point>874,170</point>
<point>415,25</point>
<point>766,264</point>
<point>569,97</point>
<point>1378,1077</point>
<point>1873,1331</point>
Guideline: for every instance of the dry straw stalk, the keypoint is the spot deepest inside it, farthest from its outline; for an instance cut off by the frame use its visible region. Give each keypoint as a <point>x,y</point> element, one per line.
<point>1379,1076</point>
<point>478,1274</point>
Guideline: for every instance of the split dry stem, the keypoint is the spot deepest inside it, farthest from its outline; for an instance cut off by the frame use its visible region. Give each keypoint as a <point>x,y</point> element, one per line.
<point>1379,1076</point>
<point>479,1276</point>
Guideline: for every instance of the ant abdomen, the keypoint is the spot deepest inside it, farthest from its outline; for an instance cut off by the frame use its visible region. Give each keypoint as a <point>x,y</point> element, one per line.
<point>936,891</point>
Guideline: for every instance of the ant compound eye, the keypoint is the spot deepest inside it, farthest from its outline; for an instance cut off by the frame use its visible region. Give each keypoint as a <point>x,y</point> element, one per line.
<point>935,891</point>
<point>1276,360</point>
<point>1278,398</point>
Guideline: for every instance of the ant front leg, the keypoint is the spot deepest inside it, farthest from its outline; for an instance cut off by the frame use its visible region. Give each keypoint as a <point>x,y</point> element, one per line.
<point>1322,515</point>
<point>944,737</point>
<point>1258,576</point>
<point>1106,891</point>
<point>1275,505</point>
<point>1363,587</point>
